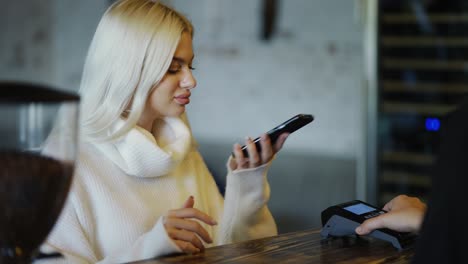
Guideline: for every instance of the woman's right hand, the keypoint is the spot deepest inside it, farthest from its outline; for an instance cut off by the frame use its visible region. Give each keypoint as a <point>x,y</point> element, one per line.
<point>186,233</point>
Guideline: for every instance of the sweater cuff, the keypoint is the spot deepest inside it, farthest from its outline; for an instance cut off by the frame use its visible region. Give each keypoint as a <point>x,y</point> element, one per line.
<point>168,246</point>
<point>155,243</point>
<point>262,169</point>
<point>249,185</point>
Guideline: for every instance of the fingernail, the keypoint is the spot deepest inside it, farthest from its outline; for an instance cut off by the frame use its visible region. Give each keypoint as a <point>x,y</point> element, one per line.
<point>214,222</point>
<point>358,230</point>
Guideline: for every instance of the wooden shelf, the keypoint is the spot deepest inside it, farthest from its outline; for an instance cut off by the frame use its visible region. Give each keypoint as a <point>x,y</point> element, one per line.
<point>403,18</point>
<point>425,64</point>
<point>401,87</point>
<point>417,42</point>
<point>402,177</point>
<point>417,108</point>
<point>408,157</point>
<point>422,72</point>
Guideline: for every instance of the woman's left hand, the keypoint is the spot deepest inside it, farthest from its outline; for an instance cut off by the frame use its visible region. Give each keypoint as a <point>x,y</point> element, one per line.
<point>255,158</point>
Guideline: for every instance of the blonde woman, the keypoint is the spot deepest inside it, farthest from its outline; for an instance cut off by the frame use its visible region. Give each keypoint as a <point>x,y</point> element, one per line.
<point>141,188</point>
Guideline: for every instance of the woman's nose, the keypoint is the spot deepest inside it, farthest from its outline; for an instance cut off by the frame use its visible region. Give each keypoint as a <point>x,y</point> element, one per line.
<point>189,81</point>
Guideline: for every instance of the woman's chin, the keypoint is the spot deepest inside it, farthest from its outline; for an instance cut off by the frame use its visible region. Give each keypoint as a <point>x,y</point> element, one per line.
<point>178,112</point>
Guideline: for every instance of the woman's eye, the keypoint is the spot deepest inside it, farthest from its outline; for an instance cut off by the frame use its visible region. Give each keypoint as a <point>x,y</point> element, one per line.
<point>177,68</point>
<point>174,69</point>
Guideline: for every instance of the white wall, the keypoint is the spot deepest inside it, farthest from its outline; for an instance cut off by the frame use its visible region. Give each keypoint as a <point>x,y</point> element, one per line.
<point>74,23</point>
<point>246,86</point>
<point>25,41</point>
<point>46,40</point>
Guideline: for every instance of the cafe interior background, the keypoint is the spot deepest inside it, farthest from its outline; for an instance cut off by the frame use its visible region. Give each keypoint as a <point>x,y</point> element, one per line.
<point>377,75</point>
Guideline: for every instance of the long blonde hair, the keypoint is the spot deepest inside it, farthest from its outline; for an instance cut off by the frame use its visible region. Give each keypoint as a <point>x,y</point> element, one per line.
<point>130,53</point>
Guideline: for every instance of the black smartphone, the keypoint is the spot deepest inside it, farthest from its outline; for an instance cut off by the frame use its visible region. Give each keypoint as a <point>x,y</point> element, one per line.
<point>288,126</point>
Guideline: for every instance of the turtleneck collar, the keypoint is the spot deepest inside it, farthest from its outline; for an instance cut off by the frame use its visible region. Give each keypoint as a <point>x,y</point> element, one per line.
<point>139,154</point>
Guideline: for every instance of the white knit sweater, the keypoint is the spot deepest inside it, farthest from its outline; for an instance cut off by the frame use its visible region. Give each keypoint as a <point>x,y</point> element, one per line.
<point>121,191</point>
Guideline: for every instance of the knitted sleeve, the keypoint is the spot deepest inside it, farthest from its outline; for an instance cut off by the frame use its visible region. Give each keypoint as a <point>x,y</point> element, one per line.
<point>246,215</point>
<point>68,238</point>
<point>71,238</point>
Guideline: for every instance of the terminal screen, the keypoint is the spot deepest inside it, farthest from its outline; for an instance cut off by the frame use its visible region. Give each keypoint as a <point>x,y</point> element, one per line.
<point>359,209</point>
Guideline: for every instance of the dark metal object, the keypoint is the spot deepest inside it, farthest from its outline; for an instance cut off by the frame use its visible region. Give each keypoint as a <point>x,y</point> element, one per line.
<point>269,18</point>
<point>21,92</point>
<point>42,256</point>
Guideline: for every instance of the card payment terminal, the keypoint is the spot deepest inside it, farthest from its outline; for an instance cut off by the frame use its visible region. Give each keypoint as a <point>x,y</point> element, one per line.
<point>342,219</point>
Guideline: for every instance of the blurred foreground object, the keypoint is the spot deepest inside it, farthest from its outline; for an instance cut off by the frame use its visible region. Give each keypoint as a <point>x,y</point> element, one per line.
<point>33,184</point>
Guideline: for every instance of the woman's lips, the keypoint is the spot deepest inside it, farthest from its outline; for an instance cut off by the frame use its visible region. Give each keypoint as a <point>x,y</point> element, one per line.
<point>182,99</point>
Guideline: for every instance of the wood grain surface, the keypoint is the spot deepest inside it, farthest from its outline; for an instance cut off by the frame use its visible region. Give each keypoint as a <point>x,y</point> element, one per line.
<point>297,247</point>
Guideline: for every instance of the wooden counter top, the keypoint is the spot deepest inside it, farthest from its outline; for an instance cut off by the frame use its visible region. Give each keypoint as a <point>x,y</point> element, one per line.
<point>297,247</point>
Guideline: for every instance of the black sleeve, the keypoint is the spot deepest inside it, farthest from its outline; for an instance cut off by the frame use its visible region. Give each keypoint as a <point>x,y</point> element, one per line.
<point>444,233</point>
